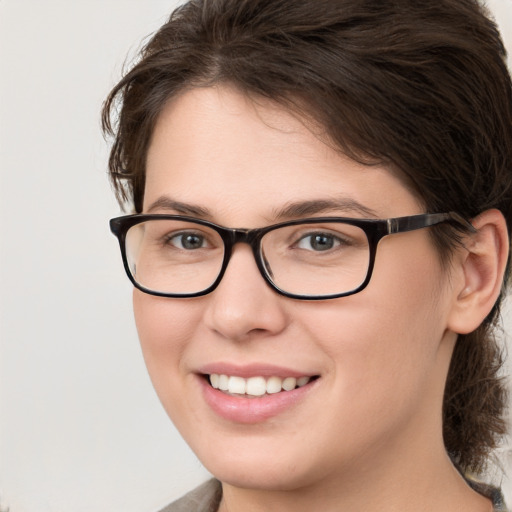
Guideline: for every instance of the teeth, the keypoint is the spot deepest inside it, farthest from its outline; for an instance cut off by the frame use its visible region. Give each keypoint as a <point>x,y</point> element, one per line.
<point>302,381</point>
<point>223,382</point>
<point>236,385</point>
<point>255,386</point>
<point>274,385</point>
<point>289,383</point>
<point>214,380</point>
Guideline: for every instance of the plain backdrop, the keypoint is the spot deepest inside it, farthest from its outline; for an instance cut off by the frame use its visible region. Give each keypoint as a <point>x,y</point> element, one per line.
<point>80,426</point>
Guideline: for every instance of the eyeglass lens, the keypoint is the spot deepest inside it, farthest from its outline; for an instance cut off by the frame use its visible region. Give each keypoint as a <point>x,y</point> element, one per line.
<point>181,257</point>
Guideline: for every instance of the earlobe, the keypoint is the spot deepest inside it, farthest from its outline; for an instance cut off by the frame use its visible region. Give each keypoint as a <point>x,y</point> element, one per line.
<point>481,265</point>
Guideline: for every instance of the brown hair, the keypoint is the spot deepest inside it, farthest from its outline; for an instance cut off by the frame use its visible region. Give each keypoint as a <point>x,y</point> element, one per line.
<point>419,86</point>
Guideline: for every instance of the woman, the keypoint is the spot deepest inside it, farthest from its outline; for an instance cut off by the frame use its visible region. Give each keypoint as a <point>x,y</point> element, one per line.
<point>268,147</point>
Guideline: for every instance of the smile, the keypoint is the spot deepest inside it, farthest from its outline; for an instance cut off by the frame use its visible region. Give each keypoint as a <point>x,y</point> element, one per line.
<point>255,386</point>
<point>256,397</point>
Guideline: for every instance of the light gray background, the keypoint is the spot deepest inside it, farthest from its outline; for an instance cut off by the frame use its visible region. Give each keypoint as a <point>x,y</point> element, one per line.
<point>80,426</point>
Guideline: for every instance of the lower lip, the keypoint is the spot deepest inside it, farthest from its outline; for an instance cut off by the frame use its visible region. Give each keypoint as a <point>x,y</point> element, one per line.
<point>252,410</point>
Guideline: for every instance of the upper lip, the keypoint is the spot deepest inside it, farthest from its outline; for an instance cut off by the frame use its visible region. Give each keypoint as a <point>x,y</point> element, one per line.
<point>252,370</point>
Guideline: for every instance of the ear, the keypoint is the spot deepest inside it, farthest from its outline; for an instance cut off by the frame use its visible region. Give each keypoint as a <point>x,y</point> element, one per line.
<point>479,268</point>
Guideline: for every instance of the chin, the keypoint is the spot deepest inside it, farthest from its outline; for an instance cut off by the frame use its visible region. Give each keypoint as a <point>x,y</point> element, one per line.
<point>260,464</point>
<point>258,476</point>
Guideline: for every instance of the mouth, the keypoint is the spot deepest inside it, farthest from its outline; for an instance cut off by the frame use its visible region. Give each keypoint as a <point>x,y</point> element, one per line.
<point>254,393</point>
<point>257,386</point>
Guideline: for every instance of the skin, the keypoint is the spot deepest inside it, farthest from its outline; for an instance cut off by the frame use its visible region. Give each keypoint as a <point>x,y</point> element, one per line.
<point>367,435</point>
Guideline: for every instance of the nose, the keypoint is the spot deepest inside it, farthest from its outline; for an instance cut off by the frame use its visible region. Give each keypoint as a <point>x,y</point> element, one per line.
<point>243,305</point>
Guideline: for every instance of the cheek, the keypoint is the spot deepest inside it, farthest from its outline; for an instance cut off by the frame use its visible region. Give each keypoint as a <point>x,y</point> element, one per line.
<point>376,343</point>
<point>384,342</point>
<point>165,326</point>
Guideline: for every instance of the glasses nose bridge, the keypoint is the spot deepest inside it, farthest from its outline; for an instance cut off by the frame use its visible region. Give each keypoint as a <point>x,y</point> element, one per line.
<point>242,236</point>
<point>236,236</point>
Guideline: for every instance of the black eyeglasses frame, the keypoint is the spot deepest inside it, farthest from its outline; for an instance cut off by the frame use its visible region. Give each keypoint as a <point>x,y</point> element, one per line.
<point>375,230</point>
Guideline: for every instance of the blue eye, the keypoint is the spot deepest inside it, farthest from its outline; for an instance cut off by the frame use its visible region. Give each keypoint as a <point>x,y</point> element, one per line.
<point>318,242</point>
<point>188,241</point>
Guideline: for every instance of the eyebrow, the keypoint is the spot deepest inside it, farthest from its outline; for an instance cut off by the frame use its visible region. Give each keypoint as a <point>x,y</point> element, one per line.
<point>340,205</point>
<point>296,209</point>
<point>167,203</point>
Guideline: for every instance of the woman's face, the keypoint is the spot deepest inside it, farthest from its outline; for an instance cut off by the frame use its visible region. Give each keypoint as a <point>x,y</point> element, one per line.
<point>377,360</point>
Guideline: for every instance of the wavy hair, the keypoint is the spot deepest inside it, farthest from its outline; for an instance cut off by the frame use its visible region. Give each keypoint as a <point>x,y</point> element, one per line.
<point>421,87</point>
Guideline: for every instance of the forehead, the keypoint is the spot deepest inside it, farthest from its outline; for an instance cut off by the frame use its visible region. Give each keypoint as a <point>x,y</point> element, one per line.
<point>217,148</point>
<point>200,123</point>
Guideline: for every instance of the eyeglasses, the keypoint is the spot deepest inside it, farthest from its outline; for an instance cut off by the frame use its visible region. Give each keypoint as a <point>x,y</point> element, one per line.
<point>310,259</point>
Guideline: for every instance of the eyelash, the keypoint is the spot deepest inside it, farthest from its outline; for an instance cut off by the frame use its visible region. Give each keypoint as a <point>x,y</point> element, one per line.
<point>169,239</point>
<point>336,240</point>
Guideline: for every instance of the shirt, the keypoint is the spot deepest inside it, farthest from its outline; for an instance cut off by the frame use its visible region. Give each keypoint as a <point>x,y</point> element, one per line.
<point>207,497</point>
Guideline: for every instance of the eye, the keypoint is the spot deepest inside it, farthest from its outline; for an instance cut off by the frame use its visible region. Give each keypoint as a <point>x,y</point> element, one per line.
<point>318,242</point>
<point>187,241</point>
